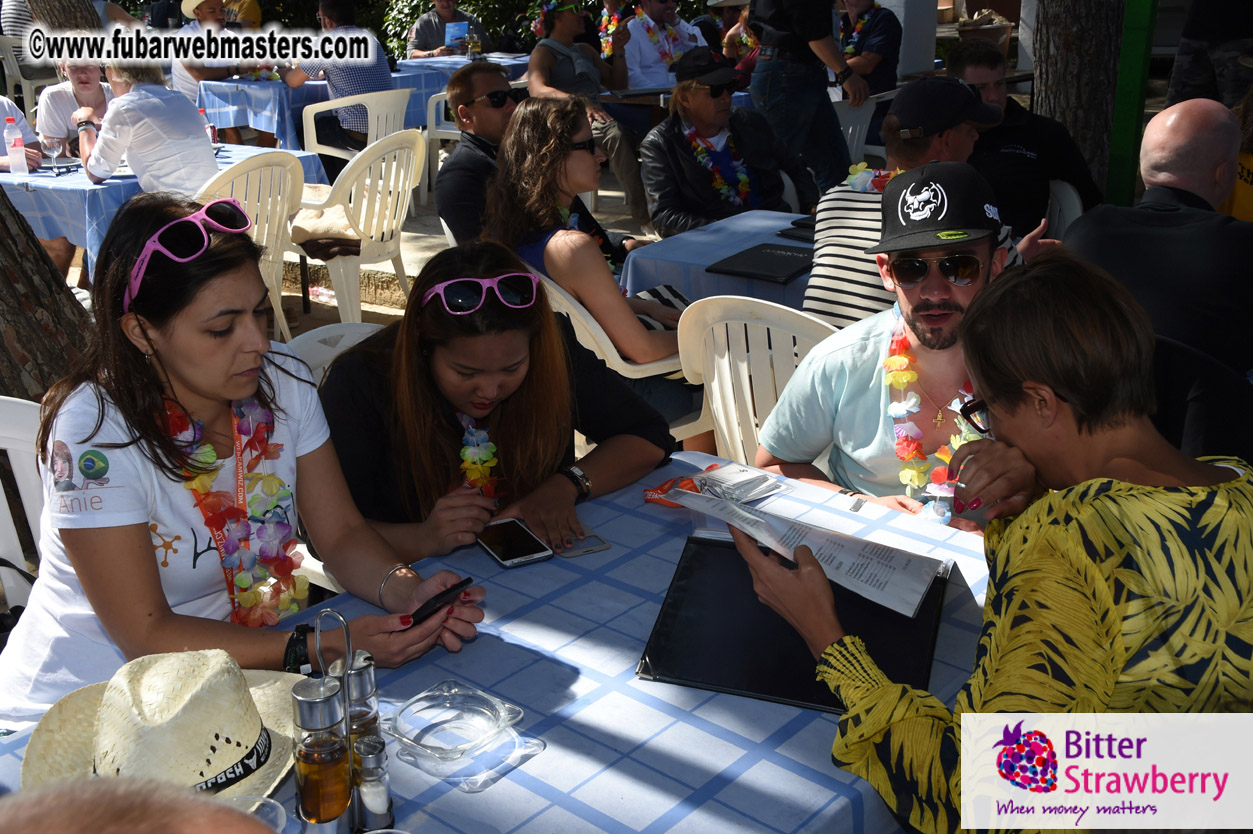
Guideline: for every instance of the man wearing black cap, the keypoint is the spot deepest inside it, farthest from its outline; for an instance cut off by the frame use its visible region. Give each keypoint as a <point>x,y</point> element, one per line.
<point>884,393</point>
<point>933,118</point>
<point>789,83</point>
<point>705,133</point>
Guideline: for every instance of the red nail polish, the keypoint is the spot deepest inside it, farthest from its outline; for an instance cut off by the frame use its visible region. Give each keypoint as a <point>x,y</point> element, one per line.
<point>976,504</point>
<point>448,616</point>
<point>959,506</point>
<point>465,595</point>
<point>406,621</point>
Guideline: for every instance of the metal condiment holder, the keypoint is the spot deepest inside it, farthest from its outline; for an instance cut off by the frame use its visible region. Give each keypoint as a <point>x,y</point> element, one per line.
<point>324,666</point>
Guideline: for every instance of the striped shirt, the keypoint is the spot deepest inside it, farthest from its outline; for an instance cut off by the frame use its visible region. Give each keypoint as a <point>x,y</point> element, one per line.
<point>844,284</point>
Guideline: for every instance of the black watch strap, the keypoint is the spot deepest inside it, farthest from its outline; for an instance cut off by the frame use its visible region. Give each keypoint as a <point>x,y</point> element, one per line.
<point>580,480</point>
<point>843,75</point>
<point>296,656</point>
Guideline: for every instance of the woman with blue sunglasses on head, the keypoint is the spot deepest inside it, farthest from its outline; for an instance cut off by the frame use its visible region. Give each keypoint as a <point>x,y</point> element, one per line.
<point>172,456</point>
<point>467,409</point>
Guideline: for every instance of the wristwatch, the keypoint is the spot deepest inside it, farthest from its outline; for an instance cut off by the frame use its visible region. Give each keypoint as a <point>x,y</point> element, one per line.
<point>296,655</point>
<point>580,480</point>
<point>843,75</point>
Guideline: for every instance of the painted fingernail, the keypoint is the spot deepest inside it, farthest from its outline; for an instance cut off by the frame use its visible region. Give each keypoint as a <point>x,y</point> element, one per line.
<point>465,595</point>
<point>959,505</point>
<point>448,615</point>
<point>976,504</point>
<point>406,621</point>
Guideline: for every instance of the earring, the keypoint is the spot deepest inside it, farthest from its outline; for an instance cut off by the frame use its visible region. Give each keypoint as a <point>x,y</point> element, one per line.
<point>148,357</point>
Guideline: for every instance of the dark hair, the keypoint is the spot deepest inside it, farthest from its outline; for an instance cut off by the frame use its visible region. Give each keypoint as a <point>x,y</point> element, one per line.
<point>973,53</point>
<point>1062,322</point>
<point>461,85</point>
<point>342,12</point>
<point>531,428</point>
<point>117,368</point>
<point>522,197</point>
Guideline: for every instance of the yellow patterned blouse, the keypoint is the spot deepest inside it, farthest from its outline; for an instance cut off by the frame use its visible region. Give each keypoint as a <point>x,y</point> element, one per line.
<point>1106,596</point>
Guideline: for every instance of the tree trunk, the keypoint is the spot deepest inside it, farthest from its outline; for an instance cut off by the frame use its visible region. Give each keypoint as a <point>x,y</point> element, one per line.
<point>1077,44</point>
<point>43,328</point>
<point>64,14</point>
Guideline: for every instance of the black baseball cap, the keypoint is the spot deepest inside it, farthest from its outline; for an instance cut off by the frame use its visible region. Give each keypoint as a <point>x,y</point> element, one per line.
<point>706,66</point>
<point>937,204</point>
<point>934,103</point>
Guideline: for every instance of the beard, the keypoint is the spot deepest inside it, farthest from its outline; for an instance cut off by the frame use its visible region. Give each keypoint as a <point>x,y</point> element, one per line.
<point>934,338</point>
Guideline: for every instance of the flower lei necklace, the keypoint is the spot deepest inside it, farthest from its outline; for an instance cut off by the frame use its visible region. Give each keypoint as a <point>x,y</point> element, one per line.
<point>608,25</point>
<point>935,484</point>
<point>701,148</point>
<point>865,179</point>
<point>256,508</point>
<point>478,456</point>
<point>669,47</point>
<point>851,48</point>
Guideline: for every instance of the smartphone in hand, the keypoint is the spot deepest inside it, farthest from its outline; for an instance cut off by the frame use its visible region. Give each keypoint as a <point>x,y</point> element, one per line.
<point>435,603</point>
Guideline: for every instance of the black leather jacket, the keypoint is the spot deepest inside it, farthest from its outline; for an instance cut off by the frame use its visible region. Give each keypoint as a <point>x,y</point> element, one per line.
<point>680,196</point>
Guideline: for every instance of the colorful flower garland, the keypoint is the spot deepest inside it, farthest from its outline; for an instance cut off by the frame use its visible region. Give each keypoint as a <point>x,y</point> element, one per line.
<point>851,48</point>
<point>608,25</point>
<point>254,509</point>
<point>669,46</point>
<point>936,482</point>
<point>701,148</point>
<point>478,456</point>
<point>865,179</point>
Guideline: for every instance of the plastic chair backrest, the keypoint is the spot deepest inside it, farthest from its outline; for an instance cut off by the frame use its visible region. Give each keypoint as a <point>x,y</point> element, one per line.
<point>268,186</point>
<point>1065,207</point>
<point>448,235</point>
<point>13,77</point>
<point>863,150</point>
<point>319,347</point>
<point>385,115</point>
<point>744,351</point>
<point>19,423</point>
<point>375,189</point>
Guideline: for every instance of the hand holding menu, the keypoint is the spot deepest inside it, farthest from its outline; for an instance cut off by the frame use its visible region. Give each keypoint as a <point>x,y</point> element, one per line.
<point>455,34</point>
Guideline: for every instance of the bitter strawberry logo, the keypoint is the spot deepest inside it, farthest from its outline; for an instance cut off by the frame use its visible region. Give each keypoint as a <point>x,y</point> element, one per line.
<point>1027,760</point>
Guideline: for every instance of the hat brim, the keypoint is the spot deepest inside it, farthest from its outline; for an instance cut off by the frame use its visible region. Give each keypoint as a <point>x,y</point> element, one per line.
<point>189,6</point>
<point>928,240</point>
<point>62,744</point>
<point>984,115</point>
<point>717,4</point>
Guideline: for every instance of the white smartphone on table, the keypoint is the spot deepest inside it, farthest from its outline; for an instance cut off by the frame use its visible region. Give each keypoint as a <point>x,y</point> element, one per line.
<point>512,544</point>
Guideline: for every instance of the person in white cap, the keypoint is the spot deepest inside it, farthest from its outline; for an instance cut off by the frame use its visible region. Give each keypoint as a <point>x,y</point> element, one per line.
<point>185,76</point>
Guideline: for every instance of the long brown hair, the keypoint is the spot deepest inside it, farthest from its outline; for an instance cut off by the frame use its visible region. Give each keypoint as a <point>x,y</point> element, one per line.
<point>531,427</point>
<point>117,368</point>
<point>522,197</point>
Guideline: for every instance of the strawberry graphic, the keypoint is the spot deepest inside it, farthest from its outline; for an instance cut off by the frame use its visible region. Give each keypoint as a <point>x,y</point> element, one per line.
<point>1027,760</point>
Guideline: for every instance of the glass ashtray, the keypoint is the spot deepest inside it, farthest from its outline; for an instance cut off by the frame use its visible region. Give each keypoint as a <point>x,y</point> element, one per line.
<point>450,720</point>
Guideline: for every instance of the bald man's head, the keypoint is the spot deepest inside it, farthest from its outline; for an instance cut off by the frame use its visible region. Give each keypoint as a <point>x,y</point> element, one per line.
<point>1192,145</point>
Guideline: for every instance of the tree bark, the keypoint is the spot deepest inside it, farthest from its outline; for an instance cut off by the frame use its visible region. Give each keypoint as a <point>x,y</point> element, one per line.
<point>1076,49</point>
<point>64,14</point>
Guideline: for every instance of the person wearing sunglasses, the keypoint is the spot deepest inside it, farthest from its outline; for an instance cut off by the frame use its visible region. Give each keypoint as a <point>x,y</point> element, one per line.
<point>1121,590</point>
<point>884,393</point>
<point>709,160</point>
<point>479,358</point>
<point>191,435</point>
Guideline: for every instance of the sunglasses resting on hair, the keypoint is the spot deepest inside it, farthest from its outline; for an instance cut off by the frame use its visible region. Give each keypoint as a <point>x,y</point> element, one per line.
<point>462,296</point>
<point>959,270</point>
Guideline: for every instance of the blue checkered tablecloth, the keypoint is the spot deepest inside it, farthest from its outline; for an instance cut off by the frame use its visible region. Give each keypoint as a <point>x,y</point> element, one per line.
<point>71,206</point>
<point>274,107</point>
<point>562,639</point>
<point>515,64</point>
<point>680,260</point>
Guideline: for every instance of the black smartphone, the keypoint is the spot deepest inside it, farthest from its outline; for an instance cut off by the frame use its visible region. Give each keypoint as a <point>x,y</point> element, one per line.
<point>512,544</point>
<point>438,601</point>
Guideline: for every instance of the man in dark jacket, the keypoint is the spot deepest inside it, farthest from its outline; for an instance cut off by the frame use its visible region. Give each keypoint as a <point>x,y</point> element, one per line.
<point>710,160</point>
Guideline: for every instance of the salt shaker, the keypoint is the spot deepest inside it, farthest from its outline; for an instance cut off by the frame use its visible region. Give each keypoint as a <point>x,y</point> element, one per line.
<point>372,798</point>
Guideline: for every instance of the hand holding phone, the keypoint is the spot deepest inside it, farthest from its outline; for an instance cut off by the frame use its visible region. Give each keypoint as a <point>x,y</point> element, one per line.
<point>435,603</point>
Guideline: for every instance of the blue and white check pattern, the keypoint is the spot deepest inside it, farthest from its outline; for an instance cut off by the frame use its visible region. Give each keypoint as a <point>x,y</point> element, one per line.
<point>515,65</point>
<point>71,206</point>
<point>680,260</point>
<point>562,639</point>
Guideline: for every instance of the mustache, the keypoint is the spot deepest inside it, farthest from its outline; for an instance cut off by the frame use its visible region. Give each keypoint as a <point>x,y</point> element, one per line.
<point>938,307</point>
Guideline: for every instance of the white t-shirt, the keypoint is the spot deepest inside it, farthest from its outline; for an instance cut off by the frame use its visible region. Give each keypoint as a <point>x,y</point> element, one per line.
<point>57,104</point>
<point>162,137</point>
<point>59,644</point>
<point>645,66</point>
<point>8,108</point>
<point>180,78</point>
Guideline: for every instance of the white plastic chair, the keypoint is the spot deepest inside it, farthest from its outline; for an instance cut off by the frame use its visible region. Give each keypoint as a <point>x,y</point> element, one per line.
<point>593,337</point>
<point>448,235</point>
<point>437,129</point>
<point>374,189</point>
<point>1065,207</point>
<point>385,115</point>
<point>855,121</point>
<point>743,351</point>
<point>269,186</point>
<point>19,423</point>
<point>45,77</point>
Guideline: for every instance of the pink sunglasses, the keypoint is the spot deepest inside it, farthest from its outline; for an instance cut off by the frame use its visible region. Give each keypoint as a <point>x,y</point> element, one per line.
<point>462,296</point>
<point>187,238</point>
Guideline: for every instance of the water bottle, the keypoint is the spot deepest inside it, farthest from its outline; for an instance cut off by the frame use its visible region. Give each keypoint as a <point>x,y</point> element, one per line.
<point>16,147</point>
<point>210,128</point>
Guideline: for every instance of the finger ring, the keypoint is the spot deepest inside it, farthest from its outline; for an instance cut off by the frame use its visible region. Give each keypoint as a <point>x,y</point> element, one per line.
<point>960,484</point>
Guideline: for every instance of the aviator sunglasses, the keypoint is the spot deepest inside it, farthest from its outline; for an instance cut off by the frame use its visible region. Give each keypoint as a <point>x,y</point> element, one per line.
<point>720,90</point>
<point>462,296</point>
<point>959,270</point>
<point>187,238</point>
<point>497,98</point>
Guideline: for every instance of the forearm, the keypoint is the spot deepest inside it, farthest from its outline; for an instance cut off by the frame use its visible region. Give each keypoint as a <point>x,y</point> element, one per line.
<point>804,472</point>
<point>654,345</point>
<point>865,63</point>
<point>360,558</point>
<point>619,461</point>
<point>252,648</point>
<point>829,52</point>
<point>409,539</point>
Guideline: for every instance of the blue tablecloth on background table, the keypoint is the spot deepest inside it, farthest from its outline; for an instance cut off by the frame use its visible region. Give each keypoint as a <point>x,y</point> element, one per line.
<point>515,64</point>
<point>680,260</point>
<point>562,639</point>
<point>71,206</point>
<point>274,107</point>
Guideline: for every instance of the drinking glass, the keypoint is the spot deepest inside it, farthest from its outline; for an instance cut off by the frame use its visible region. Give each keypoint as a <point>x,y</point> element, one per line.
<point>52,146</point>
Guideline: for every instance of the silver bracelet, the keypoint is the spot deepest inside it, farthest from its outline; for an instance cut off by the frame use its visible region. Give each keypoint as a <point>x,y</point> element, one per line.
<point>384,583</point>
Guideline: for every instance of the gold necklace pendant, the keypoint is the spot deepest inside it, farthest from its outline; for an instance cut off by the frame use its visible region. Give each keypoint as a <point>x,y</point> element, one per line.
<point>939,418</point>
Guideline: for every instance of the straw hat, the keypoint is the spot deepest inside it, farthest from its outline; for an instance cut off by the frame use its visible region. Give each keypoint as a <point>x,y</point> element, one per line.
<point>192,718</point>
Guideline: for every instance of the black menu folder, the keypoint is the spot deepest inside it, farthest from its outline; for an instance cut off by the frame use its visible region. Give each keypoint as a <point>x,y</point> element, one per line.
<point>768,261</point>
<point>805,234</point>
<point>713,633</point>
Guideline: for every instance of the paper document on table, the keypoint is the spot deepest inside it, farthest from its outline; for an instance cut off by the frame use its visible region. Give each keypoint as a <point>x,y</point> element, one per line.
<point>891,577</point>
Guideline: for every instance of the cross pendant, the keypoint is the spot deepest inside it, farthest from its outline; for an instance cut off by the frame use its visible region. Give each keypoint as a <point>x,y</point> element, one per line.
<point>939,418</point>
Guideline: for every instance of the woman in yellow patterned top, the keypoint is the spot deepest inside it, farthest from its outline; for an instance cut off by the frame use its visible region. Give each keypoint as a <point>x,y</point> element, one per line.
<point>1126,588</point>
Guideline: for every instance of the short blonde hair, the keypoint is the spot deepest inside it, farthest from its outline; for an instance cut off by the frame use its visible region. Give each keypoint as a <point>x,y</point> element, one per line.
<point>681,89</point>
<point>137,73</point>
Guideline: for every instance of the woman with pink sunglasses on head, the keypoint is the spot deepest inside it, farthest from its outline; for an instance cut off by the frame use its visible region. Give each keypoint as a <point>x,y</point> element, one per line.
<point>467,408</point>
<point>189,432</point>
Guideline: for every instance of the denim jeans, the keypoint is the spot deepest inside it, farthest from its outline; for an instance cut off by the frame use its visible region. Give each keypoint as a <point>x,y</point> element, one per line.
<point>794,98</point>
